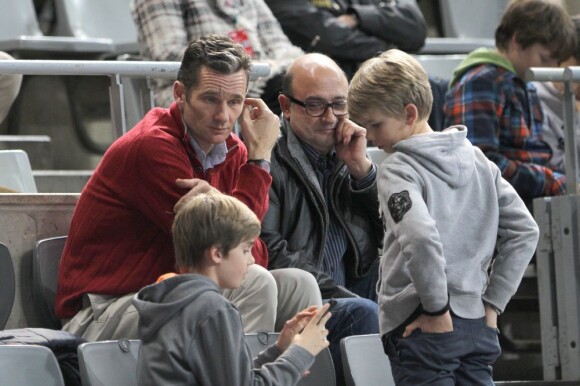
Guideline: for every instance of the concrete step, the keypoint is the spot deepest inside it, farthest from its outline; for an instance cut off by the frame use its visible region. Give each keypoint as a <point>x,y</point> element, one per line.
<point>38,148</point>
<point>61,181</point>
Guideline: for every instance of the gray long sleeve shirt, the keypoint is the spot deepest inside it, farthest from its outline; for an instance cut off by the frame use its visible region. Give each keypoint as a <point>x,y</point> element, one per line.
<point>445,205</point>
<point>192,335</point>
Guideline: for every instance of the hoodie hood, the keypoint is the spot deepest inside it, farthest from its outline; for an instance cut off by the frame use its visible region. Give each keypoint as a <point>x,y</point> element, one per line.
<point>447,154</point>
<point>158,303</point>
<point>481,56</point>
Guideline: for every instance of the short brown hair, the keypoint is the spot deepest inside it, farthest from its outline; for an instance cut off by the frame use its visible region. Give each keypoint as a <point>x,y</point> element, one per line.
<point>544,22</point>
<point>216,52</point>
<point>576,21</point>
<point>211,219</point>
<point>388,83</point>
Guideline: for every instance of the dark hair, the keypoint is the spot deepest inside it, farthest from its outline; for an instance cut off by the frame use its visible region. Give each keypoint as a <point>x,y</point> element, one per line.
<point>576,21</point>
<point>287,84</point>
<point>545,22</point>
<point>216,52</point>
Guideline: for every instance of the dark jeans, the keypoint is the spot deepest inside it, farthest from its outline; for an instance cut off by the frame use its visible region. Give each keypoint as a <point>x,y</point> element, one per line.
<point>366,286</point>
<point>350,316</point>
<point>463,356</point>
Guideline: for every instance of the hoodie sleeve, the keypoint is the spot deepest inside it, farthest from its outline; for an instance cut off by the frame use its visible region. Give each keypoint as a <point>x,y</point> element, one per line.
<point>406,216</point>
<point>518,237</point>
<point>219,356</point>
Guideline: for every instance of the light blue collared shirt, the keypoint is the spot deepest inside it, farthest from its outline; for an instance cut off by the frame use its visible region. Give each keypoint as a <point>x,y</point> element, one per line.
<point>216,155</point>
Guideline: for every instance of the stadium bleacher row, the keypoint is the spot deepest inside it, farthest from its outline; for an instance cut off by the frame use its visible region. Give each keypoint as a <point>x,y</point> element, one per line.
<point>64,140</point>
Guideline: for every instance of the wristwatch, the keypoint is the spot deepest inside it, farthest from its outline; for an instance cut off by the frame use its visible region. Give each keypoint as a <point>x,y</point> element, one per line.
<point>261,163</point>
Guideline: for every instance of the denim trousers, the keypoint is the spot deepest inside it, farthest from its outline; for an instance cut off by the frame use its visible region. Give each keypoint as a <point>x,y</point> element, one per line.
<point>366,286</point>
<point>350,316</point>
<point>463,356</point>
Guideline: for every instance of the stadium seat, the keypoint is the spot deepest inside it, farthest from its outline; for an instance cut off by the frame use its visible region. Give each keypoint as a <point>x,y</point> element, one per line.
<point>457,25</point>
<point>7,286</point>
<point>45,261</point>
<point>321,372</point>
<point>107,363</point>
<point>109,19</point>
<point>364,361</point>
<point>440,66</point>
<point>19,31</point>
<point>15,171</point>
<point>29,365</point>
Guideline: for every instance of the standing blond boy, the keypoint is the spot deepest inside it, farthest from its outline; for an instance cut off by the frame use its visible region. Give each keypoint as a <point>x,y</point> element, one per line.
<point>444,206</point>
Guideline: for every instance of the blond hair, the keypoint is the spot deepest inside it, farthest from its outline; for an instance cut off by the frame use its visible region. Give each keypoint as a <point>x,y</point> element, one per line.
<point>211,219</point>
<point>387,84</point>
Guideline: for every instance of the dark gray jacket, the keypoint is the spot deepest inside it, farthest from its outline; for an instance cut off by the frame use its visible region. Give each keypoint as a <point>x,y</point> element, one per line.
<point>192,335</point>
<point>384,24</point>
<point>295,227</point>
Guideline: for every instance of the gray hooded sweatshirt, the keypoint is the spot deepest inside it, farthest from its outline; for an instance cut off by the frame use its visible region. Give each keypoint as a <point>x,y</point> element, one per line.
<point>445,205</point>
<point>192,335</point>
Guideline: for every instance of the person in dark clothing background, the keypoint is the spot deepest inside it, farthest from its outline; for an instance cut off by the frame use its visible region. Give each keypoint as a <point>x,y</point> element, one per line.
<point>351,31</point>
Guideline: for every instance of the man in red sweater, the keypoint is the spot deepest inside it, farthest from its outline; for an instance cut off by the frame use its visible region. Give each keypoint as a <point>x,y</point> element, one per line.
<point>120,236</point>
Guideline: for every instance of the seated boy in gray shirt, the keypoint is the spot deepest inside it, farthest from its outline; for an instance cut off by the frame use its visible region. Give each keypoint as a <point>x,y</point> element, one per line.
<point>190,333</point>
<point>445,208</point>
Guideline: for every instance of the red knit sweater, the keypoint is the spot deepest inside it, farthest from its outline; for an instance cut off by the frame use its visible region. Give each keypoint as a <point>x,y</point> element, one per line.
<point>120,235</point>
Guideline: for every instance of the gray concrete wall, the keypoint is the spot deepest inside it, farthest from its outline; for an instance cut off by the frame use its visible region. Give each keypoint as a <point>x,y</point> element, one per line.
<point>25,219</point>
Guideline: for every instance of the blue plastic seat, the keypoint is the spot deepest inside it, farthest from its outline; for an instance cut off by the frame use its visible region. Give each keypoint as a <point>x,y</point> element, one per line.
<point>45,260</point>
<point>7,285</point>
<point>364,361</point>
<point>112,362</point>
<point>321,372</point>
<point>29,365</point>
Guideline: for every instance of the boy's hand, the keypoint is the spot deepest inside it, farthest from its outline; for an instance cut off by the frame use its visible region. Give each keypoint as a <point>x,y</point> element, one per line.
<point>490,316</point>
<point>294,326</point>
<point>430,324</point>
<point>313,337</point>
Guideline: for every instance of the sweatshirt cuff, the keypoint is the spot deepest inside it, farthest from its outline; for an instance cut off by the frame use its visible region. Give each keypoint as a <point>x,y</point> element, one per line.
<point>300,357</point>
<point>438,312</point>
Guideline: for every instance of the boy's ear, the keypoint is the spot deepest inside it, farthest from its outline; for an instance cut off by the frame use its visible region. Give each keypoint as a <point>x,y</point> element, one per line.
<point>214,255</point>
<point>411,114</point>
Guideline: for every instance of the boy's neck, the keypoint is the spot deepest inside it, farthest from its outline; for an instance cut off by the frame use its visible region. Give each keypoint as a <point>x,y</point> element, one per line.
<point>207,271</point>
<point>422,127</point>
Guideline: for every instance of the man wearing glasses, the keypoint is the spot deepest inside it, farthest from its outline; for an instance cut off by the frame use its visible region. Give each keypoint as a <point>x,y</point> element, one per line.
<point>323,215</point>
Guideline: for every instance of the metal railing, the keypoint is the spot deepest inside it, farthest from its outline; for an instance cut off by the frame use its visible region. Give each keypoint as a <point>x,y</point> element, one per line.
<point>568,76</point>
<point>558,265</point>
<point>116,71</point>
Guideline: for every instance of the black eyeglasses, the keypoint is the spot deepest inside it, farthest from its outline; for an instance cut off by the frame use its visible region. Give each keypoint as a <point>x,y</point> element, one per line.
<point>318,109</point>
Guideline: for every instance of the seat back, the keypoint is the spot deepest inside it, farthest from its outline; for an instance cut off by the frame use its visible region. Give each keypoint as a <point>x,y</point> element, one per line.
<point>15,171</point>
<point>18,18</point>
<point>111,362</point>
<point>29,365</point>
<point>365,362</point>
<point>45,261</point>
<point>19,31</point>
<point>7,286</point>
<point>321,372</point>
<point>109,19</point>
<point>440,66</point>
<point>471,18</point>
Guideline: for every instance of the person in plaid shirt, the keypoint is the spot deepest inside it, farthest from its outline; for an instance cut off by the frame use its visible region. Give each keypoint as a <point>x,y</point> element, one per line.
<point>164,27</point>
<point>502,112</point>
